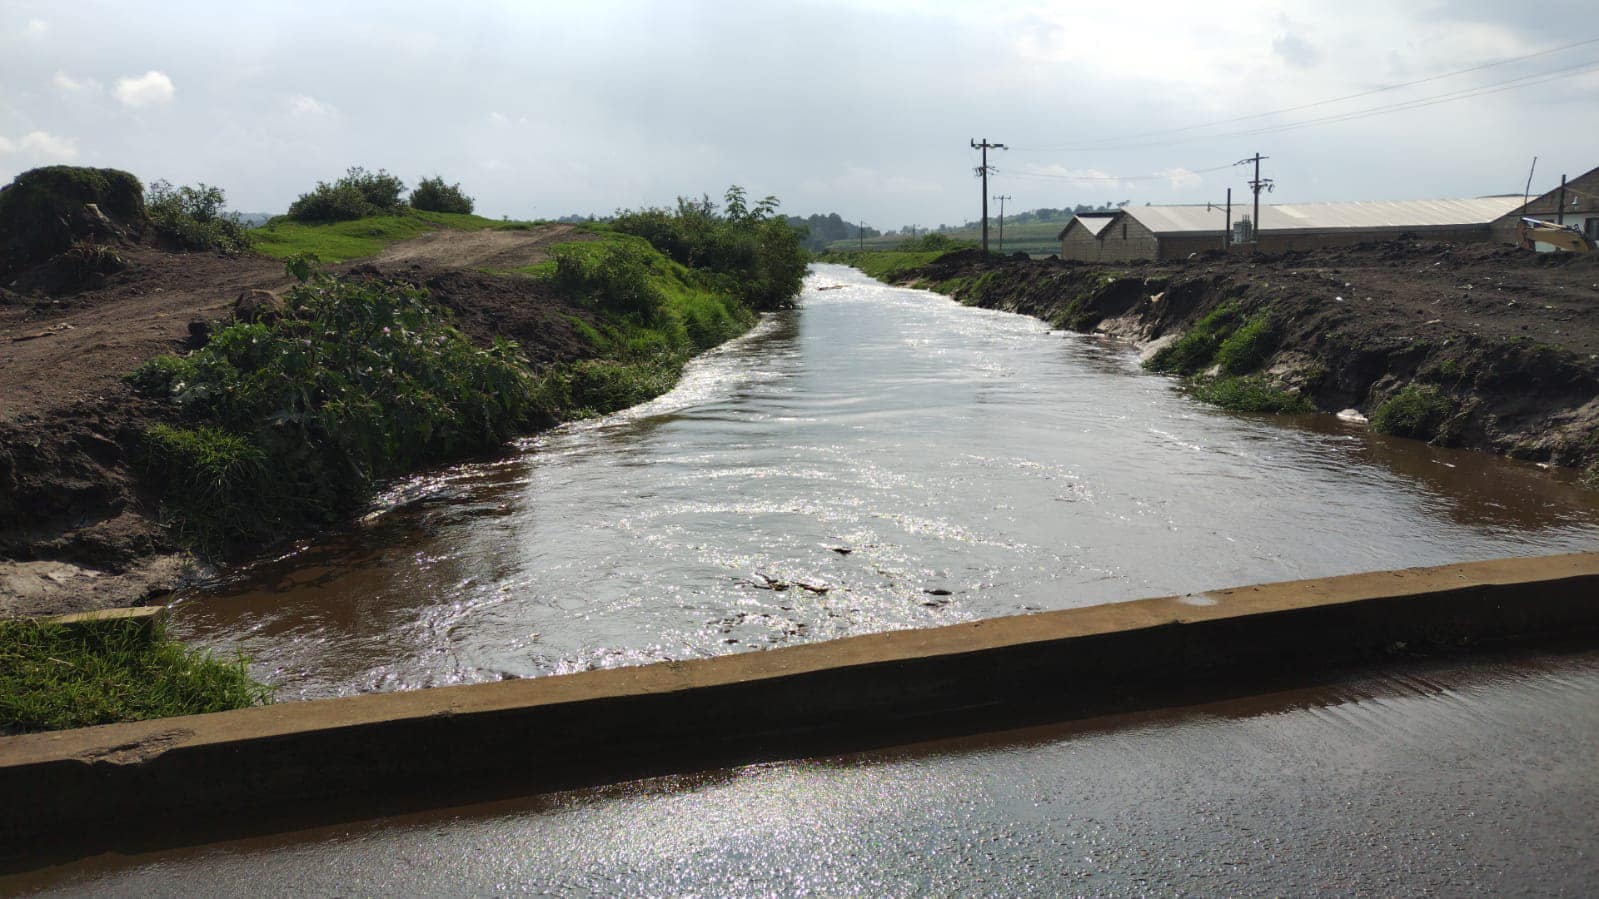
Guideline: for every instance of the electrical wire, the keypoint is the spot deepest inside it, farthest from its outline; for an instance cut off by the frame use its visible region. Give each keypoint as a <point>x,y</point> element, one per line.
<point>1105,144</point>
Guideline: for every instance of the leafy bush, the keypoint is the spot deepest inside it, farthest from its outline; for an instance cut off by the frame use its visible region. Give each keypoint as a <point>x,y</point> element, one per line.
<point>291,423</point>
<point>1248,394</point>
<point>54,676</point>
<point>1194,351</point>
<point>358,194</point>
<point>613,275</point>
<point>751,252</point>
<point>1415,411</point>
<point>933,242</point>
<point>433,195</point>
<point>193,217</point>
<point>1248,348</point>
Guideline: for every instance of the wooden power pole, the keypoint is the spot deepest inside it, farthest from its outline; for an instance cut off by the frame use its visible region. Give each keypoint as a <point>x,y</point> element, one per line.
<point>1002,198</point>
<point>1257,185</point>
<point>982,172</point>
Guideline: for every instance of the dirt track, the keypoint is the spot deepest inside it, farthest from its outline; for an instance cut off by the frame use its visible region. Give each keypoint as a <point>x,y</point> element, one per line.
<point>76,528</point>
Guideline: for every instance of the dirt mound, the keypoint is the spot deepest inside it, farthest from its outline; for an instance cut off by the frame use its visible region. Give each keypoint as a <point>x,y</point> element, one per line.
<point>44,212</point>
<point>488,250</point>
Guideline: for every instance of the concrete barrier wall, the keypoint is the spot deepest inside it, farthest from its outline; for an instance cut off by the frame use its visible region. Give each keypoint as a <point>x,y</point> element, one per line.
<point>101,786</point>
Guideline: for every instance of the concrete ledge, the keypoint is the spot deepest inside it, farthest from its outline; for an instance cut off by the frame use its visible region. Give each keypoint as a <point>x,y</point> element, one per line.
<point>86,786</point>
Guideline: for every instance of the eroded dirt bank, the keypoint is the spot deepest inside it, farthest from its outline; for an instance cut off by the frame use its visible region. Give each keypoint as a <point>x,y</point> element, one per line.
<point>78,530</point>
<point>1507,340</point>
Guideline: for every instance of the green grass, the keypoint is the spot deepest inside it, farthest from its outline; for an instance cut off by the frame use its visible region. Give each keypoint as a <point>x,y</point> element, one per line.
<point>55,676</point>
<point>1195,350</point>
<point>1249,394</point>
<point>1416,411</point>
<point>1248,348</point>
<point>884,265</point>
<point>343,241</point>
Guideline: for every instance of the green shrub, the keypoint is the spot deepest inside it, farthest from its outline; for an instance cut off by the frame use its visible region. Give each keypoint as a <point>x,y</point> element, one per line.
<point>55,676</point>
<point>1194,351</point>
<point>41,210</point>
<point>933,243</point>
<point>433,195</point>
<point>613,275</point>
<point>1415,411</point>
<point>193,217</point>
<point>1250,394</point>
<point>290,424</point>
<point>1248,348</point>
<point>750,252</point>
<point>358,194</point>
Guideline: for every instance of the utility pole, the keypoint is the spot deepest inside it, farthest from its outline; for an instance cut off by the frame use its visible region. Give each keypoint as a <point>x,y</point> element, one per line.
<point>860,234</point>
<point>1560,205</point>
<point>1227,234</point>
<point>982,172</point>
<point>1002,198</point>
<point>1257,185</point>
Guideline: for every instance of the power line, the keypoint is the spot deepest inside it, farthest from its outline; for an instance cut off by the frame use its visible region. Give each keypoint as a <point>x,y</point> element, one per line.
<point>1105,143</point>
<point>1154,176</point>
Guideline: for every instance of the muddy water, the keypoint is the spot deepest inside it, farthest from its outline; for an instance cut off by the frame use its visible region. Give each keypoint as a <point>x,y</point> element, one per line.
<point>1464,777</point>
<point>944,448</point>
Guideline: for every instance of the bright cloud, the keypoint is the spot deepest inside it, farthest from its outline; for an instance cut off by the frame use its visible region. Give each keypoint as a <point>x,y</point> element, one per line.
<point>304,105</point>
<point>71,85</point>
<point>42,146</point>
<point>36,29</point>
<point>151,88</point>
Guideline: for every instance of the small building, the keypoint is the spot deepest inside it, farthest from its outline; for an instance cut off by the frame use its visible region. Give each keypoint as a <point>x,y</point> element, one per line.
<point>1174,232</point>
<point>1581,208</point>
<point>1080,238</point>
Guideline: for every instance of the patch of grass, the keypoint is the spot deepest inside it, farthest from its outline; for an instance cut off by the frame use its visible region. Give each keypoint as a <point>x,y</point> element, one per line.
<point>54,676</point>
<point>1248,348</point>
<point>1249,394</point>
<point>1196,350</point>
<point>283,238</point>
<point>1415,411</point>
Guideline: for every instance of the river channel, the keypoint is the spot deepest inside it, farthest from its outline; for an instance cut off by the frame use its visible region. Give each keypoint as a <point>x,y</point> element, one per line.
<point>877,458</point>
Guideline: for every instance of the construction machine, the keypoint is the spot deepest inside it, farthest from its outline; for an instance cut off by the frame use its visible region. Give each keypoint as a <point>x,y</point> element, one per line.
<point>1562,237</point>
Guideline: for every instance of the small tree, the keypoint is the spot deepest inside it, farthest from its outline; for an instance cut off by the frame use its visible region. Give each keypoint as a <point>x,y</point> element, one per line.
<point>433,195</point>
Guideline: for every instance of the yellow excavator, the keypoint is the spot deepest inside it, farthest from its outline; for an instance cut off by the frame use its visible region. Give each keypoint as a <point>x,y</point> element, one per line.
<point>1562,237</point>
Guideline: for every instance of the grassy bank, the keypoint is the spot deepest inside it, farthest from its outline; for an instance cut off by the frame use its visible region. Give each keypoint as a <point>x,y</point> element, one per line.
<point>289,421</point>
<point>283,237</point>
<point>57,676</point>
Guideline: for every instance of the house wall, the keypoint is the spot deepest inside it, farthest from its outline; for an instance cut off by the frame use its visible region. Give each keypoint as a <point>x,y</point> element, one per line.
<point>1125,240</point>
<point>1077,243</point>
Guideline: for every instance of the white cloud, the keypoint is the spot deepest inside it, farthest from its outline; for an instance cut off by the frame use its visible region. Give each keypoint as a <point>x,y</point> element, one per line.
<point>146,90</point>
<point>304,105</point>
<point>857,179</point>
<point>36,29</point>
<point>1180,177</point>
<point>41,145</point>
<point>71,85</point>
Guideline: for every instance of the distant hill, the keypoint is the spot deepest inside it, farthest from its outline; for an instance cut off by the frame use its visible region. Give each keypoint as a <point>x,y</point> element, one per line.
<point>830,228</point>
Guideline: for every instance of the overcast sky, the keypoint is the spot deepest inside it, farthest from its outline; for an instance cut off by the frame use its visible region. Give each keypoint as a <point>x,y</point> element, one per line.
<point>865,108</point>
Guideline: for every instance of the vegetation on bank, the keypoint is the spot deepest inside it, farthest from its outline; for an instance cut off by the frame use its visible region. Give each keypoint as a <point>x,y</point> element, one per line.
<point>1420,412</point>
<point>288,423</point>
<point>193,217</point>
<point>56,676</point>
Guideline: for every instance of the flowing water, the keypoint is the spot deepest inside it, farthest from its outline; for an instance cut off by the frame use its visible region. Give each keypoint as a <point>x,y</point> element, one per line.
<point>822,475</point>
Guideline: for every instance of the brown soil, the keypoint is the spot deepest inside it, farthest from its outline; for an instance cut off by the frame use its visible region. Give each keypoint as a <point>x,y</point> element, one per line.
<point>487,250</point>
<point>77,528</point>
<point>1511,336</point>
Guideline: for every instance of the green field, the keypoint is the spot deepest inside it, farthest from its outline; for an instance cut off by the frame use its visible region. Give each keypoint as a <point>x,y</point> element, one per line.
<point>1033,238</point>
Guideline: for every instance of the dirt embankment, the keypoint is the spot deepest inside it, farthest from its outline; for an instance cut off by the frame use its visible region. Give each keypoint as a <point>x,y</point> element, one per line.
<point>78,529</point>
<point>1509,338</point>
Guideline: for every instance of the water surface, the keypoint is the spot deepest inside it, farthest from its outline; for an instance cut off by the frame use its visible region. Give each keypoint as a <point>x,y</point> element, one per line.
<point>944,448</point>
